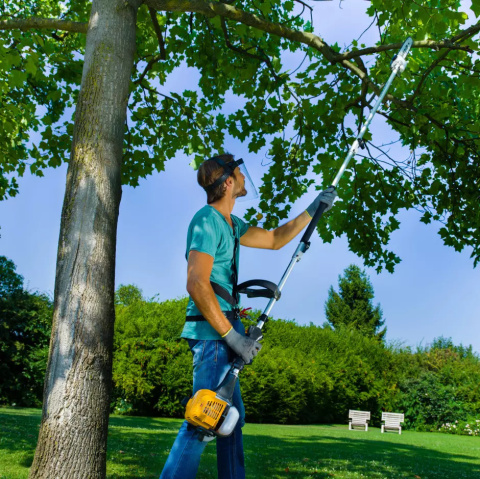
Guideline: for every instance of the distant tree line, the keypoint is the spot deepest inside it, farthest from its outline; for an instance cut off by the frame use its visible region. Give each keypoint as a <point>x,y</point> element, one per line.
<point>304,374</point>
<point>25,325</point>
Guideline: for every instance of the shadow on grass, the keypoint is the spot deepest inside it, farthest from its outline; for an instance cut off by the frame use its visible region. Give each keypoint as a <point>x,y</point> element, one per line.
<point>327,456</point>
<point>138,447</point>
<point>320,455</point>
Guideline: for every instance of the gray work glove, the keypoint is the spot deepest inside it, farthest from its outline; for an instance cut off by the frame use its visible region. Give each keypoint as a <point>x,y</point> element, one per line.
<point>243,346</point>
<point>327,196</point>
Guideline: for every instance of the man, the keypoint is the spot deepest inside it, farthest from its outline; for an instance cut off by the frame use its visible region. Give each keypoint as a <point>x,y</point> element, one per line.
<point>214,332</point>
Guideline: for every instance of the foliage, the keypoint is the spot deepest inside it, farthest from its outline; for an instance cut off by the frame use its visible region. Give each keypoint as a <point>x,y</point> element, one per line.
<point>127,295</point>
<point>304,119</point>
<point>40,74</point>
<point>469,427</point>
<point>427,402</point>
<point>24,337</point>
<point>307,374</point>
<point>151,367</point>
<point>10,281</point>
<point>438,384</point>
<point>303,374</point>
<point>352,305</point>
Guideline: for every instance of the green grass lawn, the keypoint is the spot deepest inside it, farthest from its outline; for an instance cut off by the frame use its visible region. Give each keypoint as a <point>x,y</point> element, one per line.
<point>138,448</point>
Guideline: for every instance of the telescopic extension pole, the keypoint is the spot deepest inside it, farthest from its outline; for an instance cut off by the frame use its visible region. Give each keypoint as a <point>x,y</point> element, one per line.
<point>397,66</point>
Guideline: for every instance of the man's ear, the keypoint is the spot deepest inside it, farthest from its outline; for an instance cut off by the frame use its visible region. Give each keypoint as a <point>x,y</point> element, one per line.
<point>229,181</point>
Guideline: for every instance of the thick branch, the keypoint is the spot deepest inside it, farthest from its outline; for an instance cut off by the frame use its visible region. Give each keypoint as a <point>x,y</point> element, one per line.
<point>158,32</point>
<point>433,45</point>
<point>212,9</point>
<point>43,24</point>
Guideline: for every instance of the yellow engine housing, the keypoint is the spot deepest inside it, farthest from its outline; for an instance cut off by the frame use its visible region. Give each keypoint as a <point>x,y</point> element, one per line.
<point>205,409</point>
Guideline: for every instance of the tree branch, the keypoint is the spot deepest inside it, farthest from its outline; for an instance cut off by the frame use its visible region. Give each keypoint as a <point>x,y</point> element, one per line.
<point>158,32</point>
<point>149,66</point>
<point>212,9</point>
<point>427,72</point>
<point>450,44</point>
<point>237,49</point>
<point>43,24</point>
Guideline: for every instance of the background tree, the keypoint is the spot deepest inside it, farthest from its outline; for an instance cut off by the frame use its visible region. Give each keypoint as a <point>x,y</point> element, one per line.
<point>49,65</point>
<point>126,295</point>
<point>352,306</point>
<point>25,326</point>
<point>10,281</point>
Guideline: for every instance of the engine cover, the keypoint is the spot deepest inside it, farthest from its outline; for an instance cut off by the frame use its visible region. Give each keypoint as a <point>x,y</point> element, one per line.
<point>205,409</point>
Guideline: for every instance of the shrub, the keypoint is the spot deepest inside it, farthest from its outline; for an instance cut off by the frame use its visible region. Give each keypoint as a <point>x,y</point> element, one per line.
<point>469,427</point>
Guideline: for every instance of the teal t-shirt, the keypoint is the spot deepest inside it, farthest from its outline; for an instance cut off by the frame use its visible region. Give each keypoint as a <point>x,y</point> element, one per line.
<point>210,233</point>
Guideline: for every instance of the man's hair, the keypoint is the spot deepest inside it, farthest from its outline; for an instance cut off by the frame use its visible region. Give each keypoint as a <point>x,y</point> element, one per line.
<point>209,172</point>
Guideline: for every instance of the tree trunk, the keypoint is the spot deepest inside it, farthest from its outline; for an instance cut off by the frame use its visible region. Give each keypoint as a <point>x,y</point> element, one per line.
<point>73,435</point>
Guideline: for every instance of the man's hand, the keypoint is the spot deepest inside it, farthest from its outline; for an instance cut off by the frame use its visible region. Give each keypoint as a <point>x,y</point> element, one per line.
<point>243,346</point>
<point>327,196</point>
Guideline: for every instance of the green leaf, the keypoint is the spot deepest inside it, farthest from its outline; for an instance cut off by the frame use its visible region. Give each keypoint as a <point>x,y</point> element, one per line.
<point>475,7</point>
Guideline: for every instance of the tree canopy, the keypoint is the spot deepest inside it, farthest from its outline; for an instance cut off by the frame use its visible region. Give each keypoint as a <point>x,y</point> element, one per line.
<point>304,119</point>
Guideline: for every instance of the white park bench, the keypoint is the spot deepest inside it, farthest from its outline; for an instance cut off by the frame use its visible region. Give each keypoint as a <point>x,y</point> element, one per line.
<point>358,418</point>
<point>392,420</point>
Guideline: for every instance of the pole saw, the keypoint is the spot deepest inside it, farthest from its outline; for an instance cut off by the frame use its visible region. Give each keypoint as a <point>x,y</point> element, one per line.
<point>212,412</point>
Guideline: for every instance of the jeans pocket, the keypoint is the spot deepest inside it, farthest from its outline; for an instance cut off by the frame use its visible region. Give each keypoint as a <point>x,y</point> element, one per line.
<point>197,347</point>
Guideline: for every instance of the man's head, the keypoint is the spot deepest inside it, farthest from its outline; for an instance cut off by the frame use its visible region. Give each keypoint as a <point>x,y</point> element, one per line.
<point>217,175</point>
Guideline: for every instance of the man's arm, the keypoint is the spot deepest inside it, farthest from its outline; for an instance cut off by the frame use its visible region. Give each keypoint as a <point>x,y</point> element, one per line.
<point>275,239</point>
<point>199,288</point>
<point>259,238</point>
<point>201,291</point>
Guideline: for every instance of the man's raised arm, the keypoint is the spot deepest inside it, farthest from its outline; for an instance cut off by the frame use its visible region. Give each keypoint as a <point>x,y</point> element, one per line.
<point>275,239</point>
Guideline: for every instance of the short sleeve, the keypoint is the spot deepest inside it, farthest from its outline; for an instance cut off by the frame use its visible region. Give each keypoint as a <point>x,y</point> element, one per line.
<point>241,225</point>
<point>204,235</point>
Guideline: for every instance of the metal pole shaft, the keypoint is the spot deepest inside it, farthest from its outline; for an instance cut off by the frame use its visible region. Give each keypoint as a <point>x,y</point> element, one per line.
<point>397,67</point>
<point>297,256</point>
<point>302,247</point>
<point>353,149</point>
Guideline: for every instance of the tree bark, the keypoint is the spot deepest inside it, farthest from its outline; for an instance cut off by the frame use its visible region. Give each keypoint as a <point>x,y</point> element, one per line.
<point>73,435</point>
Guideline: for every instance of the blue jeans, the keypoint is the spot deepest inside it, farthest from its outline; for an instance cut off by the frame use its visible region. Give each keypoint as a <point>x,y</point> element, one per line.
<point>211,361</point>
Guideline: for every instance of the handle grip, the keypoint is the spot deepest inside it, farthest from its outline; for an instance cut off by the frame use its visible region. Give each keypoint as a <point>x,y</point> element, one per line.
<point>255,333</point>
<point>314,221</point>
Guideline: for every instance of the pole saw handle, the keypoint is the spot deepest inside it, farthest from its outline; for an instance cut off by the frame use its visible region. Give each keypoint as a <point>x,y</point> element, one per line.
<point>313,223</point>
<point>255,333</point>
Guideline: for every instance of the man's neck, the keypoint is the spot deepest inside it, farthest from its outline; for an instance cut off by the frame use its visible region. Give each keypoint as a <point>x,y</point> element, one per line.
<point>225,207</point>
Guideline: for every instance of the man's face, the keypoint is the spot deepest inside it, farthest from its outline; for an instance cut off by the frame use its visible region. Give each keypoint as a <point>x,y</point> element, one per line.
<point>239,184</point>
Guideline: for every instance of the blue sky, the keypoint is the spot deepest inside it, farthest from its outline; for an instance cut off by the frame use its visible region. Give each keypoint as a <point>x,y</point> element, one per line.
<point>433,291</point>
